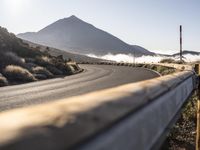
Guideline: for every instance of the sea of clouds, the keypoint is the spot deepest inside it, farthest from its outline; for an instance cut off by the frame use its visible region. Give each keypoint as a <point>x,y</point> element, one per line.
<point>144,59</point>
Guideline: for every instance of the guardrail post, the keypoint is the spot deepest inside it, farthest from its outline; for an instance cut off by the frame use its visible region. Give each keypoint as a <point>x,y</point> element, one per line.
<point>197,69</point>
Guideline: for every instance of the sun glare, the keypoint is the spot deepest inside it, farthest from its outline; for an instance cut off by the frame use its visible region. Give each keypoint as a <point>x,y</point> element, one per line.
<point>15,6</point>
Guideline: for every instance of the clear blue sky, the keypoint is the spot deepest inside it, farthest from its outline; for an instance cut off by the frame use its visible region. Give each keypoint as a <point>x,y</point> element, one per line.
<point>153,24</point>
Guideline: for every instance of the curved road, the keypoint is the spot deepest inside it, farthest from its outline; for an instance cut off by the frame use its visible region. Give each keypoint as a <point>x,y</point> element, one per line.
<point>95,77</point>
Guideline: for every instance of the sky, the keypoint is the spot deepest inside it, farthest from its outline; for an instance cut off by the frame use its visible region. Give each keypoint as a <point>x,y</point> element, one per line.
<point>153,24</point>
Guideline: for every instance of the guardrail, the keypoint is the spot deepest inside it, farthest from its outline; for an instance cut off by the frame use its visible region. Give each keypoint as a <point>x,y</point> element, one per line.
<point>132,116</point>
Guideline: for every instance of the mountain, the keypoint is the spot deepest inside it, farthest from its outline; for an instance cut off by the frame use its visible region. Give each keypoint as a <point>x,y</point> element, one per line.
<point>73,34</point>
<point>185,52</point>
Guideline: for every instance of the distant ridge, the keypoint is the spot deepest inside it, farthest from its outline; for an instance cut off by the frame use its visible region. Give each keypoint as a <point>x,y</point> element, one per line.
<point>75,35</point>
<point>185,52</point>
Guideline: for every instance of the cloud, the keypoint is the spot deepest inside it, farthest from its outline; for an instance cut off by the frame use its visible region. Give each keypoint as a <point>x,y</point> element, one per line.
<point>143,59</point>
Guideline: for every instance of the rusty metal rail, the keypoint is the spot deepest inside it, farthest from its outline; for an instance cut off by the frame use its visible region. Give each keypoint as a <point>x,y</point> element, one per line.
<point>132,116</point>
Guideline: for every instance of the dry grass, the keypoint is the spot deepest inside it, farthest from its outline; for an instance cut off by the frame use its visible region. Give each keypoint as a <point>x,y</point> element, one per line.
<point>66,69</point>
<point>3,81</point>
<point>42,71</point>
<point>182,135</point>
<point>46,59</point>
<point>167,60</point>
<point>161,69</point>
<point>18,74</point>
<point>170,60</point>
<point>43,61</point>
<point>74,66</point>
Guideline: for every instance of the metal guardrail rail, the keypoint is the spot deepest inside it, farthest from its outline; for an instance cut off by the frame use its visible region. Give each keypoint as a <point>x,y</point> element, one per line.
<point>132,116</point>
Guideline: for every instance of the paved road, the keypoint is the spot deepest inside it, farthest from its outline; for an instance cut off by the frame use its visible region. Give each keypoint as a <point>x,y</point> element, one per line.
<point>95,77</point>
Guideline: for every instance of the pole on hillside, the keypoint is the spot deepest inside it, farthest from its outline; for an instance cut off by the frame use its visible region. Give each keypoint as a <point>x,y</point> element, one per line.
<point>134,58</point>
<point>181,51</point>
<point>197,69</point>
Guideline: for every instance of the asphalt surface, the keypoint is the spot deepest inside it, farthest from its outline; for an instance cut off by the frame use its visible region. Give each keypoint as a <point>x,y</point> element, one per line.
<point>95,77</point>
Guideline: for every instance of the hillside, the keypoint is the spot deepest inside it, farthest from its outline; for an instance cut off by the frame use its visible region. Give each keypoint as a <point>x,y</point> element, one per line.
<point>20,63</point>
<point>66,55</point>
<point>185,52</point>
<point>73,34</point>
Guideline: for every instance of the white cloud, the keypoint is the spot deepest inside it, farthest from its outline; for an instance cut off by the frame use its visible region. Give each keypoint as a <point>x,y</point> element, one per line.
<point>143,59</point>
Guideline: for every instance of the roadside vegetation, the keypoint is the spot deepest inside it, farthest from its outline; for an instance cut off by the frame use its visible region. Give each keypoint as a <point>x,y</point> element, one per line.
<point>171,60</point>
<point>18,74</point>
<point>20,63</point>
<point>182,135</point>
<point>163,70</point>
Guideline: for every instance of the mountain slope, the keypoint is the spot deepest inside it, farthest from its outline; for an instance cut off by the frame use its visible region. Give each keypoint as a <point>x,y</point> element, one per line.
<point>185,52</point>
<point>75,35</point>
<point>21,62</point>
<point>66,55</point>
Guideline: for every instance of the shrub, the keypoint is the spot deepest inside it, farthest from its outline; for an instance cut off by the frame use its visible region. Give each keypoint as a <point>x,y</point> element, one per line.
<point>118,64</point>
<point>54,70</point>
<point>180,62</point>
<point>18,74</point>
<point>43,61</point>
<point>29,60</point>
<point>74,66</point>
<point>10,58</point>
<point>167,60</point>
<point>14,57</point>
<point>147,66</point>
<point>26,51</point>
<point>161,68</point>
<point>29,66</point>
<point>66,69</point>
<point>40,76</point>
<point>138,65</point>
<point>42,71</point>
<point>3,81</point>
<point>71,69</point>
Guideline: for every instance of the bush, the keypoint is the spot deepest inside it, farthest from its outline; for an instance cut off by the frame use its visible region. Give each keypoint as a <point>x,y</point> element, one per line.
<point>40,76</point>
<point>180,62</point>
<point>75,66</point>
<point>54,70</point>
<point>66,69</point>
<point>161,68</point>
<point>72,69</point>
<point>10,58</point>
<point>167,60</point>
<point>18,74</point>
<point>3,81</point>
<point>42,71</point>
<point>29,60</point>
<point>139,65</point>
<point>29,66</point>
<point>43,61</point>
<point>26,51</point>
<point>147,66</point>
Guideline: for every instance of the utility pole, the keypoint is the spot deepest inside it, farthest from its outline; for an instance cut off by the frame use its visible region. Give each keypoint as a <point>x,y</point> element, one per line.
<point>134,58</point>
<point>197,70</point>
<point>181,51</point>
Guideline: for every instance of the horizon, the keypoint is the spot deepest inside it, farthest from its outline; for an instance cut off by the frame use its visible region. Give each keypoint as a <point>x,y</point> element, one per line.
<point>157,27</point>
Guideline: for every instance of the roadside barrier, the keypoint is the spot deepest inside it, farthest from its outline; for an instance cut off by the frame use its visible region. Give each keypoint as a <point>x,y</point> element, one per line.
<point>132,116</point>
